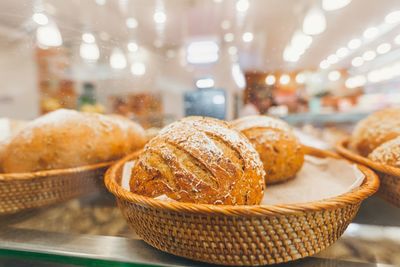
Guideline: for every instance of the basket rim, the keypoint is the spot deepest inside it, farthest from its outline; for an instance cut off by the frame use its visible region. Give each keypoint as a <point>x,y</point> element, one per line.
<point>56,172</point>
<point>342,149</point>
<point>369,186</point>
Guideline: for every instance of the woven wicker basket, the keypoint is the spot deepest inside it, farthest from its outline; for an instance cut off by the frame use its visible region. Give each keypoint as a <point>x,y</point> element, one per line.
<point>20,191</point>
<point>239,235</point>
<point>389,176</point>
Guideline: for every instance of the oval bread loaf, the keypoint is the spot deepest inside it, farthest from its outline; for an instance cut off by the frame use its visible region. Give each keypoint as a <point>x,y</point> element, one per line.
<point>200,160</point>
<point>67,138</point>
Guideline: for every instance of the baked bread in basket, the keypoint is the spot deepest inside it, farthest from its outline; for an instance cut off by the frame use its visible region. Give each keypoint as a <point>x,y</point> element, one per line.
<point>186,225</point>
<point>279,149</point>
<point>375,143</point>
<point>62,155</point>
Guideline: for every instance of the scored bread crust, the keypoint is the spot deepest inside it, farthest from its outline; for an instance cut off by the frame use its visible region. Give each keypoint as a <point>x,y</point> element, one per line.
<point>67,138</point>
<point>376,129</point>
<point>200,160</point>
<point>387,153</point>
<point>279,149</point>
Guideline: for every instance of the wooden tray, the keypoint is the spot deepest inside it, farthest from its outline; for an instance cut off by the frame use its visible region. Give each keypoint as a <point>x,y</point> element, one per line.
<point>240,235</point>
<point>388,175</point>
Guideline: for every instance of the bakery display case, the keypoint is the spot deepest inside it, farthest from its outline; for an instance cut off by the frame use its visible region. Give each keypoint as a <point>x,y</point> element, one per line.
<point>200,133</point>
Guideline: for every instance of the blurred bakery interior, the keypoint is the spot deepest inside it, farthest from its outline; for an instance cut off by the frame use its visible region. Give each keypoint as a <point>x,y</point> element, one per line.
<point>320,65</point>
<point>157,61</point>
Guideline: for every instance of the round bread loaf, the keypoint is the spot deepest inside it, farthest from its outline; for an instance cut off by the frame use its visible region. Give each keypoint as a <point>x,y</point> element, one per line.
<point>278,147</point>
<point>67,138</point>
<point>375,130</point>
<point>200,160</point>
<point>387,153</point>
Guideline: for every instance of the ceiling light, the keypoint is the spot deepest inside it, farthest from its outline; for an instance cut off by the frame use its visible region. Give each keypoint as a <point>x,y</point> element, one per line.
<point>354,43</point>
<point>238,76</point>
<point>228,37</point>
<point>356,81</point>
<point>284,79</point>
<point>334,75</point>
<point>393,17</point>
<point>101,2</point>
<point>357,61</point>
<point>226,24</point>
<point>218,1</point>
<point>205,83</point>
<point>89,51</point>
<point>342,52</point>
<point>330,5</point>
<point>314,22</point>
<point>248,37</point>
<point>232,50</point>
<point>131,23</point>
<point>397,39</point>
<point>117,59</point>
<point>290,55</point>
<point>40,18</point>
<point>370,32</point>
<point>138,68</point>
<point>301,41</point>
<point>369,55</point>
<point>324,64</point>
<point>160,17</point>
<point>383,48</point>
<point>88,38</point>
<point>300,78</point>
<point>332,59</point>
<point>202,52</point>
<point>132,46</point>
<point>242,5</point>
<point>48,35</point>
<point>270,79</point>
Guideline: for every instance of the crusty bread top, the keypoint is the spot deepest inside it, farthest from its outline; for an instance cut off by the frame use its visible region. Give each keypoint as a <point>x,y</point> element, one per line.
<point>387,153</point>
<point>260,121</point>
<point>200,160</point>
<point>67,138</point>
<point>377,128</point>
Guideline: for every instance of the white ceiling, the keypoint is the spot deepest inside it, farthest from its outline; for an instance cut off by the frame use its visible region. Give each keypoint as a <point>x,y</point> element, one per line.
<point>273,23</point>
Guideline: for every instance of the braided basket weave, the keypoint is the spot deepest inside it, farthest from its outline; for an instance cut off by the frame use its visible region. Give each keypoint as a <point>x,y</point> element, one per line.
<point>239,235</point>
<point>389,175</point>
<point>20,191</point>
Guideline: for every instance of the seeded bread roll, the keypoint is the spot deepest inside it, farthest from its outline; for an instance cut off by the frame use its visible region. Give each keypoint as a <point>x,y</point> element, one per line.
<point>200,160</point>
<point>375,130</point>
<point>387,153</point>
<point>67,138</point>
<point>279,149</point>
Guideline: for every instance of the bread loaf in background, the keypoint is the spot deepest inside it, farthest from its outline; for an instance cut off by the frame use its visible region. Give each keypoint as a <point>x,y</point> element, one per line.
<point>374,130</point>
<point>200,160</point>
<point>387,153</point>
<point>67,138</point>
<point>279,149</point>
